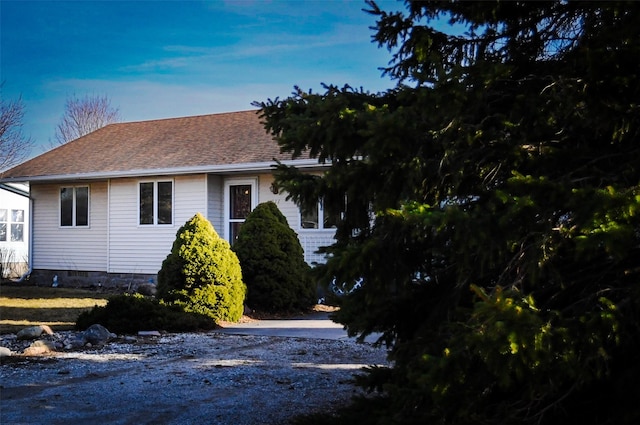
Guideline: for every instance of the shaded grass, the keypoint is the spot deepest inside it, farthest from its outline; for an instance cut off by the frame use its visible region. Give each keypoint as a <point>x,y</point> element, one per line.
<point>22,306</point>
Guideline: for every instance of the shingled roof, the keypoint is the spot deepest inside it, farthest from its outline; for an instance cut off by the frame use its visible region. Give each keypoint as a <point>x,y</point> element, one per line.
<point>205,143</point>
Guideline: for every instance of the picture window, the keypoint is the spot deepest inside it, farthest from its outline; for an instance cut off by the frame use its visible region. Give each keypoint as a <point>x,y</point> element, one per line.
<point>319,218</point>
<point>156,203</point>
<point>74,206</point>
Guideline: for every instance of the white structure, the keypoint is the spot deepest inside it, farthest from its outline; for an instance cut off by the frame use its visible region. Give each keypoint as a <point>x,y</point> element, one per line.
<point>107,206</point>
<point>14,230</point>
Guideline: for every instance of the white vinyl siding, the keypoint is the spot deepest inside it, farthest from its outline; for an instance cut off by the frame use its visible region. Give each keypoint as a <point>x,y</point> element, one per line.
<point>115,242</point>
<point>141,249</point>
<point>287,208</point>
<point>310,239</point>
<point>69,248</point>
<point>215,203</point>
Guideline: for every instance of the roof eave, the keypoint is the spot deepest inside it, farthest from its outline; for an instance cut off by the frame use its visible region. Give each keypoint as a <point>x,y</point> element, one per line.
<point>209,169</point>
<point>14,190</point>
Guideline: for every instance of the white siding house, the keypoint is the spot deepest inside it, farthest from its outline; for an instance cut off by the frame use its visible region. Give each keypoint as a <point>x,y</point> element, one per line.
<point>107,206</point>
<point>14,230</point>
<point>68,247</point>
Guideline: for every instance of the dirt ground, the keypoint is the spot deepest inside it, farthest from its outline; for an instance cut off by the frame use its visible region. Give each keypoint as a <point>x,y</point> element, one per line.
<point>191,378</point>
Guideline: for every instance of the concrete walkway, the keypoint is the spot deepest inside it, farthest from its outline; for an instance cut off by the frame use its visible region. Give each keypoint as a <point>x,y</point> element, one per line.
<point>316,325</point>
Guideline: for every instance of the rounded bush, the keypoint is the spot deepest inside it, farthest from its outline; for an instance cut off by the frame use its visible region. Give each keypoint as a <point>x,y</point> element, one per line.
<point>272,259</point>
<point>202,273</point>
<point>129,314</point>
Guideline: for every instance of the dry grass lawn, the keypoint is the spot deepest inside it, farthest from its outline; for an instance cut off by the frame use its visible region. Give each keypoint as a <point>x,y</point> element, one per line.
<point>22,306</point>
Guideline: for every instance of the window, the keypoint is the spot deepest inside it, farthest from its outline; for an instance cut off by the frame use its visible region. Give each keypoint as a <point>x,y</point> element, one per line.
<point>4,222</point>
<point>156,202</point>
<point>319,218</point>
<point>74,206</point>
<point>17,225</point>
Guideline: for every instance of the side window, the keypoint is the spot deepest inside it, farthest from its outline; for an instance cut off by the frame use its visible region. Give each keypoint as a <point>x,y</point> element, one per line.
<point>165,203</point>
<point>319,218</point>
<point>4,218</point>
<point>82,206</point>
<point>146,203</point>
<point>310,219</point>
<point>74,206</point>
<point>17,225</point>
<point>155,202</point>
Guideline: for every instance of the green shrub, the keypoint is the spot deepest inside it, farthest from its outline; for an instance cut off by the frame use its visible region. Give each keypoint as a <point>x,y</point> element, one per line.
<point>202,274</point>
<point>132,313</point>
<point>272,259</point>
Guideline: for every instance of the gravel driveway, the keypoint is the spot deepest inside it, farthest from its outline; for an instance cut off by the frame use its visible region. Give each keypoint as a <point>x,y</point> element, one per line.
<point>192,378</point>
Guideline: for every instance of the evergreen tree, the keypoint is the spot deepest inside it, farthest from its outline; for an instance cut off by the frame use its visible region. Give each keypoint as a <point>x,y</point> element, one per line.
<point>503,263</point>
<point>277,277</point>
<point>202,273</point>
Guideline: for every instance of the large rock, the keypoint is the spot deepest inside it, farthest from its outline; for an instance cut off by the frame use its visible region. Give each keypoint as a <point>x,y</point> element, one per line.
<point>33,332</point>
<point>38,348</point>
<point>4,352</point>
<point>96,335</point>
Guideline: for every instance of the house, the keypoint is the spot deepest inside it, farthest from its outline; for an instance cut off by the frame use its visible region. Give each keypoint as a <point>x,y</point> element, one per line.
<point>14,230</point>
<point>107,206</point>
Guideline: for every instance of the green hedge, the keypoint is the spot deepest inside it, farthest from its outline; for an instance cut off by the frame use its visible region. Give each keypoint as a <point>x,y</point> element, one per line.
<point>128,314</point>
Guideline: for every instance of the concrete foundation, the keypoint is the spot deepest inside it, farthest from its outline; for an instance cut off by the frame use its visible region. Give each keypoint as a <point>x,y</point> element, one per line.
<point>126,282</point>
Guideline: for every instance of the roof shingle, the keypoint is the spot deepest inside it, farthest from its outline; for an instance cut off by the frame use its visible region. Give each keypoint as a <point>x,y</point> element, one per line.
<point>187,142</point>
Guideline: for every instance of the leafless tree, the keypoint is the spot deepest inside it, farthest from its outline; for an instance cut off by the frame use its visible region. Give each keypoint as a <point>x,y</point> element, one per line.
<point>84,115</point>
<point>14,145</point>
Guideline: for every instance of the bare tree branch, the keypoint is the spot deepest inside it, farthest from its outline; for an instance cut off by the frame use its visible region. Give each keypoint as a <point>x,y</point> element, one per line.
<point>84,115</point>
<point>14,146</point>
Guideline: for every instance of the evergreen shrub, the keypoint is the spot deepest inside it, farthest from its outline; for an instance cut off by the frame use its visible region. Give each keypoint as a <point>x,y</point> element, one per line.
<point>202,273</point>
<point>277,277</point>
<point>128,314</point>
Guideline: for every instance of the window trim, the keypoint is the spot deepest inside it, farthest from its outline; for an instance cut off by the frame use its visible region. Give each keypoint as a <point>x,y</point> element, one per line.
<point>13,222</point>
<point>155,183</point>
<point>251,181</point>
<point>320,209</point>
<point>74,211</point>
<point>6,223</point>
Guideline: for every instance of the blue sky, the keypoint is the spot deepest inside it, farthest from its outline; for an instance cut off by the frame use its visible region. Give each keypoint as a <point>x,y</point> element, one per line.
<point>161,59</point>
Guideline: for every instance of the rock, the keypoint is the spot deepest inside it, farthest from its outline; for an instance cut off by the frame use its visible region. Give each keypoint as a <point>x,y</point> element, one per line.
<point>97,335</point>
<point>58,344</point>
<point>4,352</point>
<point>78,342</point>
<point>33,332</point>
<point>38,348</point>
<point>148,333</point>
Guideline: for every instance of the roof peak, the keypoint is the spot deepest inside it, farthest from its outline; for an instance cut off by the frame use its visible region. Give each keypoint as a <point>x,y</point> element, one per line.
<point>219,114</point>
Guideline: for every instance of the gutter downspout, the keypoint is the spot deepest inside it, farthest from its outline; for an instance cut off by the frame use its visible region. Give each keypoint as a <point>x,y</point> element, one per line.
<point>30,251</point>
